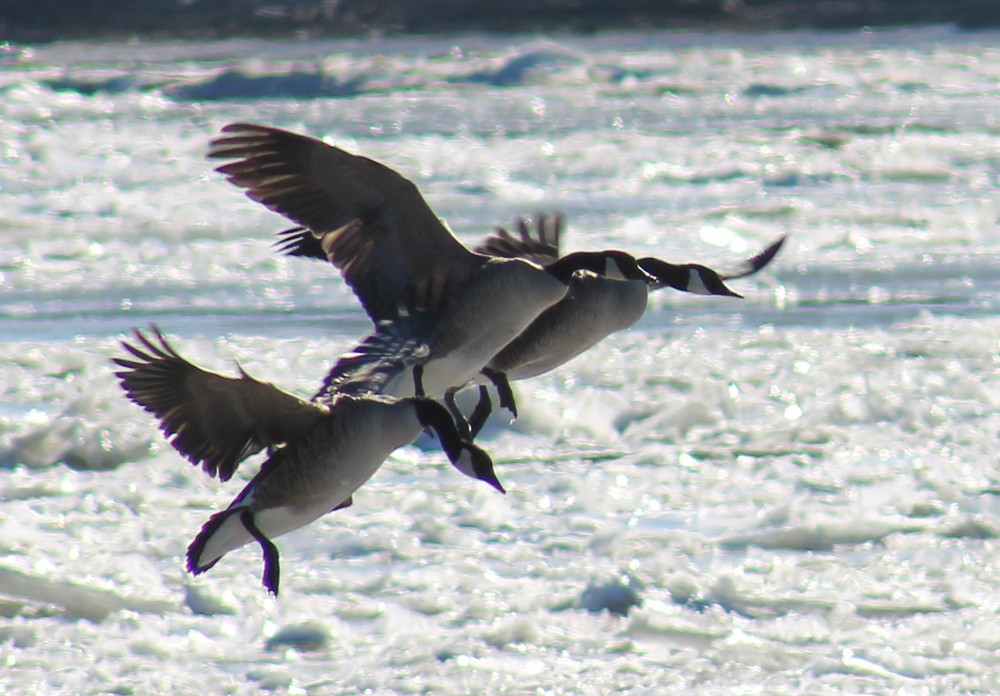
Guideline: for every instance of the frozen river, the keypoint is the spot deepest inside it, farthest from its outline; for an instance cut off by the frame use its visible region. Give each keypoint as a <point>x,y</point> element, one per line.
<point>798,492</point>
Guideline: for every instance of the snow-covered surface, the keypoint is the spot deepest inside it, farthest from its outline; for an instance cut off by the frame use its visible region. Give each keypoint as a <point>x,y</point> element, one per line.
<point>796,492</point>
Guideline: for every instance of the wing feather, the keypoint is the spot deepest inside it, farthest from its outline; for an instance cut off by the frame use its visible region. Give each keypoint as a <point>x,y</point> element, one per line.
<point>371,222</point>
<point>540,244</point>
<point>215,421</point>
<point>396,346</point>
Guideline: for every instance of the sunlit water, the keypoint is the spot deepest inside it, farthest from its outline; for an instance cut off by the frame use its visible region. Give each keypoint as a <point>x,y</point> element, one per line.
<point>796,492</point>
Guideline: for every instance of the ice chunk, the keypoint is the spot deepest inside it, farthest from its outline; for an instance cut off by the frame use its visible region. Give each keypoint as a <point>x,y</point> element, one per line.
<point>201,602</point>
<point>77,600</point>
<point>303,636</point>
<point>617,596</point>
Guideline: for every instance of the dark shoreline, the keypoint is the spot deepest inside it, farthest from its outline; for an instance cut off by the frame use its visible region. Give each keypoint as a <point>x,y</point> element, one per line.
<point>38,21</point>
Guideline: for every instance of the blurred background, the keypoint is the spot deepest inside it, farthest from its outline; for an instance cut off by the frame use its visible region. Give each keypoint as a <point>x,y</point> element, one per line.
<point>47,20</point>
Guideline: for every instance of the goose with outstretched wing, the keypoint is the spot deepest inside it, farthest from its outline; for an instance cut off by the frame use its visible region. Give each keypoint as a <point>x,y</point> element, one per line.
<point>373,224</point>
<point>594,308</point>
<point>320,452</point>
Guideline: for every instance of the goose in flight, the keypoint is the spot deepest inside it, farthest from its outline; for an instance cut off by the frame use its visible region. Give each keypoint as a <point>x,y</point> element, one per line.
<point>594,308</point>
<point>320,451</point>
<point>597,306</point>
<point>375,227</point>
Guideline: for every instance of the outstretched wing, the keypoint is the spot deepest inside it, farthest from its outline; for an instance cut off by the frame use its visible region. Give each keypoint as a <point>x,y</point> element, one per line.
<point>374,363</point>
<point>215,421</point>
<point>396,347</point>
<point>540,244</point>
<point>371,222</point>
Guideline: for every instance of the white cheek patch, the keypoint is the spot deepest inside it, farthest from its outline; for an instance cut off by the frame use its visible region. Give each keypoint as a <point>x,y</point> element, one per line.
<point>464,463</point>
<point>696,285</point>
<point>612,270</point>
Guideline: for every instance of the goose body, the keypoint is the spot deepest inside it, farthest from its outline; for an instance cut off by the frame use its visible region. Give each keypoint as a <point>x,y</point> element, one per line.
<point>472,326</point>
<point>373,224</point>
<point>595,308</point>
<point>320,452</point>
<point>300,483</point>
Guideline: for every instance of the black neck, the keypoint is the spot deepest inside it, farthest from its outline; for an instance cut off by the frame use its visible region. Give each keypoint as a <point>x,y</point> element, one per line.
<point>433,415</point>
<point>603,263</point>
<point>681,277</point>
<point>666,274</point>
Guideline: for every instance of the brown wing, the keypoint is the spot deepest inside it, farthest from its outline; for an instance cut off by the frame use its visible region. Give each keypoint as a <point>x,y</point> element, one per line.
<point>540,245</point>
<point>215,421</point>
<point>372,223</point>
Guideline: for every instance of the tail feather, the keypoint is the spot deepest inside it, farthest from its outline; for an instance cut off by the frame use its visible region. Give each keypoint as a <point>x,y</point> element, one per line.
<point>756,262</point>
<point>217,538</point>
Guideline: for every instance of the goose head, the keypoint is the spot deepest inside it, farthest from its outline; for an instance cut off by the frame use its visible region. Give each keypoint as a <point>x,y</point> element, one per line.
<point>470,459</point>
<point>473,461</point>
<point>687,277</point>
<point>613,264</point>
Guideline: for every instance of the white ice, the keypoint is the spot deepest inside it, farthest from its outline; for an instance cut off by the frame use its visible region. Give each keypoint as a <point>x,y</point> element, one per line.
<point>796,492</point>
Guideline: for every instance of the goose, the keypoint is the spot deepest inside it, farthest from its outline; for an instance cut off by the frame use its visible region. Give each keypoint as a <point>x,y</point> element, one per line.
<point>595,307</point>
<point>320,452</point>
<point>374,226</point>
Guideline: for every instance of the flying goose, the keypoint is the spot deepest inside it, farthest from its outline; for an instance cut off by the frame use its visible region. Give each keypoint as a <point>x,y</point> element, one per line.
<point>595,307</point>
<point>320,451</point>
<point>374,226</point>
